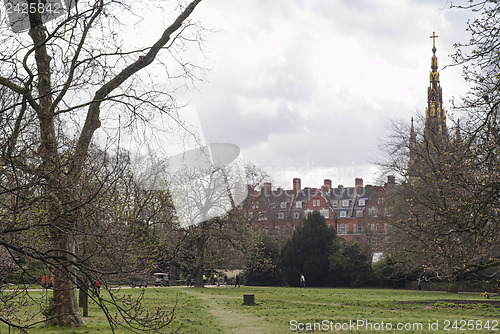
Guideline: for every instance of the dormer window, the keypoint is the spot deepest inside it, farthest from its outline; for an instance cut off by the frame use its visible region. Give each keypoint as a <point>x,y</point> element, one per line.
<point>283,205</point>
<point>345,203</point>
<point>362,202</point>
<point>298,205</point>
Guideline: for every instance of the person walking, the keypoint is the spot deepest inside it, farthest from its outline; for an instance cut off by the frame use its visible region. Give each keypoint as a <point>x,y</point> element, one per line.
<point>302,281</point>
<point>98,285</point>
<point>237,281</point>
<point>419,283</point>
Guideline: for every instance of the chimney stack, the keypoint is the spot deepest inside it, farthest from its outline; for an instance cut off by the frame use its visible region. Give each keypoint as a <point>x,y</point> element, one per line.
<point>358,183</point>
<point>296,185</point>
<point>266,189</point>
<point>327,185</point>
<point>391,181</point>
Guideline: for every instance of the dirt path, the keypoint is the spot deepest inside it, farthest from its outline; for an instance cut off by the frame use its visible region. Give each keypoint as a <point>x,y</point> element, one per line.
<point>230,320</point>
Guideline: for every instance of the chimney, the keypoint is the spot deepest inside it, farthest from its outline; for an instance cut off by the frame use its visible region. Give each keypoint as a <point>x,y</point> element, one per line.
<point>391,181</point>
<point>266,189</point>
<point>327,185</point>
<point>296,185</point>
<point>358,183</point>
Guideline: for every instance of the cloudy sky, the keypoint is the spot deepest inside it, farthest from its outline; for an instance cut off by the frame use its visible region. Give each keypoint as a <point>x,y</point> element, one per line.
<point>307,88</point>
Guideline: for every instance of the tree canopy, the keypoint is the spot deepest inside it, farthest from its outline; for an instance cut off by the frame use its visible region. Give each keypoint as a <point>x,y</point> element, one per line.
<point>67,198</point>
<point>307,252</point>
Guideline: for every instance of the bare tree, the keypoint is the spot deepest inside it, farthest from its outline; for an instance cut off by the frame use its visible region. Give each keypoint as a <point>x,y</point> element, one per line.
<point>445,211</point>
<point>206,187</point>
<point>70,69</point>
<point>223,240</point>
<point>441,216</point>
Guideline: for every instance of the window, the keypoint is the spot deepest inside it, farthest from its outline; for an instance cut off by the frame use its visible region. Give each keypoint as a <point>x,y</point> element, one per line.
<point>296,215</point>
<point>380,200</point>
<point>255,205</point>
<point>342,229</point>
<point>373,212</point>
<point>307,212</point>
<point>345,203</point>
<point>359,213</point>
<point>325,213</point>
<point>298,205</point>
<point>335,204</point>
<point>362,202</point>
<point>283,205</point>
<point>316,202</point>
<point>273,205</point>
<point>355,228</point>
<point>343,214</point>
<point>281,215</point>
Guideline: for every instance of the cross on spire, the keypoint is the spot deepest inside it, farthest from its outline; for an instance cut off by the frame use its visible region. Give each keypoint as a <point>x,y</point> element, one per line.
<point>434,36</point>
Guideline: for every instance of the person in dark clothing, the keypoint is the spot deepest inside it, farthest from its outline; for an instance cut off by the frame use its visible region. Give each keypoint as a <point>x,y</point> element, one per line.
<point>237,281</point>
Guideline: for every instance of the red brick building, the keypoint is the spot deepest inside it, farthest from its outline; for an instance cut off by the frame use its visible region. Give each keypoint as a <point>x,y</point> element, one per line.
<point>354,212</point>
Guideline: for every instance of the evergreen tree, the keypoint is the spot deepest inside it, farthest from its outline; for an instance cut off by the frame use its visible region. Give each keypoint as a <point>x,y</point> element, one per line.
<point>349,265</point>
<point>307,252</point>
<point>261,265</point>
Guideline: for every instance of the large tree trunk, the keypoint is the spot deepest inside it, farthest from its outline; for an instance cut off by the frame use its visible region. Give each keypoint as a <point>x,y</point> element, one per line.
<point>200,258</point>
<point>63,175</point>
<point>64,304</point>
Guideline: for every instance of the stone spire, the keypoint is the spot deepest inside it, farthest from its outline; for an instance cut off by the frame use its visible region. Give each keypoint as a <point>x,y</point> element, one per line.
<point>435,117</point>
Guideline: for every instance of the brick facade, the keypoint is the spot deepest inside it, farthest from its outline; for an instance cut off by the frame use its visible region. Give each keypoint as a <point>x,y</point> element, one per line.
<point>354,212</point>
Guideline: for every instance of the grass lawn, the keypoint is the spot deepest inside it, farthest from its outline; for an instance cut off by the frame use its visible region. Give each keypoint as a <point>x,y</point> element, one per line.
<point>286,310</point>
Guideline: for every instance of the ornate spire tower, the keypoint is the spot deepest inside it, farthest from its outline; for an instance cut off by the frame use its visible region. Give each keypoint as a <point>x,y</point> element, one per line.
<point>435,117</point>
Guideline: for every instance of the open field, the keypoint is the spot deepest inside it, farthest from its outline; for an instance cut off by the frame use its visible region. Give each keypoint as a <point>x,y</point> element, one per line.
<point>286,310</point>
